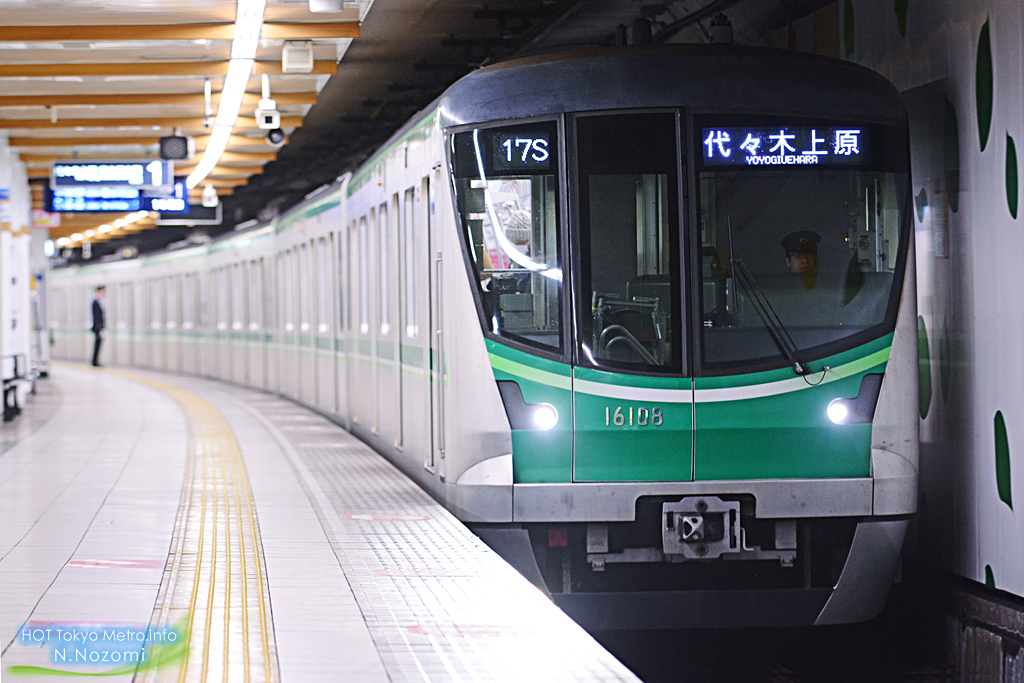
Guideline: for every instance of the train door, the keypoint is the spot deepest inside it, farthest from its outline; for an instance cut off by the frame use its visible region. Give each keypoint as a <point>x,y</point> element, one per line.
<point>383,327</point>
<point>239,334</point>
<point>130,323</point>
<point>77,329</point>
<point>435,360</point>
<point>156,322</point>
<point>222,294</point>
<point>332,303</point>
<point>187,333</point>
<point>206,323</point>
<point>387,396</point>
<point>632,396</point>
<point>164,333</point>
<point>174,322</point>
<point>323,346</point>
<point>254,330</point>
<point>277,306</point>
<point>414,422</point>
<point>266,297</point>
<point>110,305</point>
<point>343,382</point>
<point>289,381</point>
<point>403,244</point>
<point>140,332</point>
<point>362,359</point>
<point>228,346</point>
<point>119,324</point>
<point>307,334</point>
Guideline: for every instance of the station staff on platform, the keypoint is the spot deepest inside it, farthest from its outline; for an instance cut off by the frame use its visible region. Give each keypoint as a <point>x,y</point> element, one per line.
<point>98,324</point>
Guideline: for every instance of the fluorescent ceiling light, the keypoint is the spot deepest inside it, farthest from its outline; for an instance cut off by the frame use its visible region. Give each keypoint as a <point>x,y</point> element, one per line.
<point>248,24</point>
<point>233,92</point>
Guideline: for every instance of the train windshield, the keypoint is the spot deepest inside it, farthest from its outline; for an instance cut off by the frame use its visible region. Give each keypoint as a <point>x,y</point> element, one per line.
<point>507,192</point>
<point>800,232</point>
<point>628,183</point>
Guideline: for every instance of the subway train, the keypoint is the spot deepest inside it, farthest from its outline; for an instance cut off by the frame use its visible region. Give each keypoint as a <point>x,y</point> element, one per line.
<point>644,318</point>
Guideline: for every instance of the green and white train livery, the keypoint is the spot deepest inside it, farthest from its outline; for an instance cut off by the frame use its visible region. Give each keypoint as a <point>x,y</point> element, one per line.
<point>653,338</point>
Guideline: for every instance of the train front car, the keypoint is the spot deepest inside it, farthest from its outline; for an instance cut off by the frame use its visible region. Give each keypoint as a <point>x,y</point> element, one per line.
<point>693,269</point>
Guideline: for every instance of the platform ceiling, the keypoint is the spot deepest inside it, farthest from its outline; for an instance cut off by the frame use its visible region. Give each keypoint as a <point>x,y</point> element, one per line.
<point>107,78</point>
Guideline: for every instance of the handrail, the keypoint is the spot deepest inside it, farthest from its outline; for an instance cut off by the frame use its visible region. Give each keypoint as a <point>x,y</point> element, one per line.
<point>628,337</point>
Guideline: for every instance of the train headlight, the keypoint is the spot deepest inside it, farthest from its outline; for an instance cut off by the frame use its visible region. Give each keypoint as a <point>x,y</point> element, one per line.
<point>837,411</point>
<point>545,416</point>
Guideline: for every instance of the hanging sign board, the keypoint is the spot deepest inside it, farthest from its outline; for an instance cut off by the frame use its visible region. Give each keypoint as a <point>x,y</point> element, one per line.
<point>104,199</point>
<point>141,173</point>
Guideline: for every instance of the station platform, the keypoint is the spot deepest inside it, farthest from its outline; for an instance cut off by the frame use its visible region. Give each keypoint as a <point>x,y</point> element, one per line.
<point>241,537</point>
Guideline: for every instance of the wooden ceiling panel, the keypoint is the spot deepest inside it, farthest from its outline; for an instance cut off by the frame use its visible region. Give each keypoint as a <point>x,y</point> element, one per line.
<point>195,99</point>
<point>199,68</point>
<point>223,31</point>
<point>135,124</point>
<point>75,84</point>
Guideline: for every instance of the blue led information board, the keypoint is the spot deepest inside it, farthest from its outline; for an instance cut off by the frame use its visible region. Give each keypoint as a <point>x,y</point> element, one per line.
<point>144,173</point>
<point>119,199</point>
<point>95,199</point>
<point>173,202</point>
<point>785,146</point>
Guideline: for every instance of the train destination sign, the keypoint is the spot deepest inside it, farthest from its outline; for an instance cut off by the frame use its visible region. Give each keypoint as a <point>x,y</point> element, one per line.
<point>143,173</point>
<point>528,150</point>
<point>785,146</point>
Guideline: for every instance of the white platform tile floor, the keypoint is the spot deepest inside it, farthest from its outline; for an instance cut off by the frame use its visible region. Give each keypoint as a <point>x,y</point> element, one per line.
<point>369,578</point>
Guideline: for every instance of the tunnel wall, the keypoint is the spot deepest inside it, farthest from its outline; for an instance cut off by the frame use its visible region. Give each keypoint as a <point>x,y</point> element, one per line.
<point>960,66</point>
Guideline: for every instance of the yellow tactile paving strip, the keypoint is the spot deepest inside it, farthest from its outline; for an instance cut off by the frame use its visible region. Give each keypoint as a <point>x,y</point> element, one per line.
<point>214,583</point>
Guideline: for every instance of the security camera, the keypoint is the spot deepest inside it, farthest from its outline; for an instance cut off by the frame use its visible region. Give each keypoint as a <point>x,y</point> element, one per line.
<point>275,137</point>
<point>268,119</point>
<point>267,115</point>
<point>210,196</point>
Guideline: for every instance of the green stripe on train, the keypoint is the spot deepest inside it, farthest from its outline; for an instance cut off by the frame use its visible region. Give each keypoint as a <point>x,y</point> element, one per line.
<point>762,425</point>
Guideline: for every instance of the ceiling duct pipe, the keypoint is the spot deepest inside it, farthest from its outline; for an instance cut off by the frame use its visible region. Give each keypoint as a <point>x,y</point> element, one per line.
<point>642,32</point>
<point>621,37</point>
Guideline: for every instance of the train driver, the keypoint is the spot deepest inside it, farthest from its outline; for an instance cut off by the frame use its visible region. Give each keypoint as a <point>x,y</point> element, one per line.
<point>802,254</point>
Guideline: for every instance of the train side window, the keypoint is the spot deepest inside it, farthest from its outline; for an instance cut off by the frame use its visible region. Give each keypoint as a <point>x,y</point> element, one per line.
<point>288,298</point>
<point>302,274</point>
<point>506,185</point>
<point>237,296</point>
<point>323,275</point>
<point>123,302</point>
<point>383,272</point>
<point>155,299</point>
<point>630,315</point>
<point>362,263</point>
<point>173,287</point>
<point>409,258</point>
<point>188,299</point>
<point>255,294</point>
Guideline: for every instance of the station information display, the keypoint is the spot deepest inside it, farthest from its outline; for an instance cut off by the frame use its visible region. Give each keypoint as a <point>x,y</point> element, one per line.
<point>143,173</point>
<point>785,146</point>
<point>105,199</point>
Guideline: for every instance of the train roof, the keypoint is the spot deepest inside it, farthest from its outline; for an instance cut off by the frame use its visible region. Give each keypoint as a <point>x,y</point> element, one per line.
<point>719,77</point>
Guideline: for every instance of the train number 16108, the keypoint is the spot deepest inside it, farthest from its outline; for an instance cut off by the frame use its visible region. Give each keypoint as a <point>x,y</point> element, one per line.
<point>624,417</point>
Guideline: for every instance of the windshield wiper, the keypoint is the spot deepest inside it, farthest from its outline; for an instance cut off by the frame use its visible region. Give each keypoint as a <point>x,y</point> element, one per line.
<point>771,320</point>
